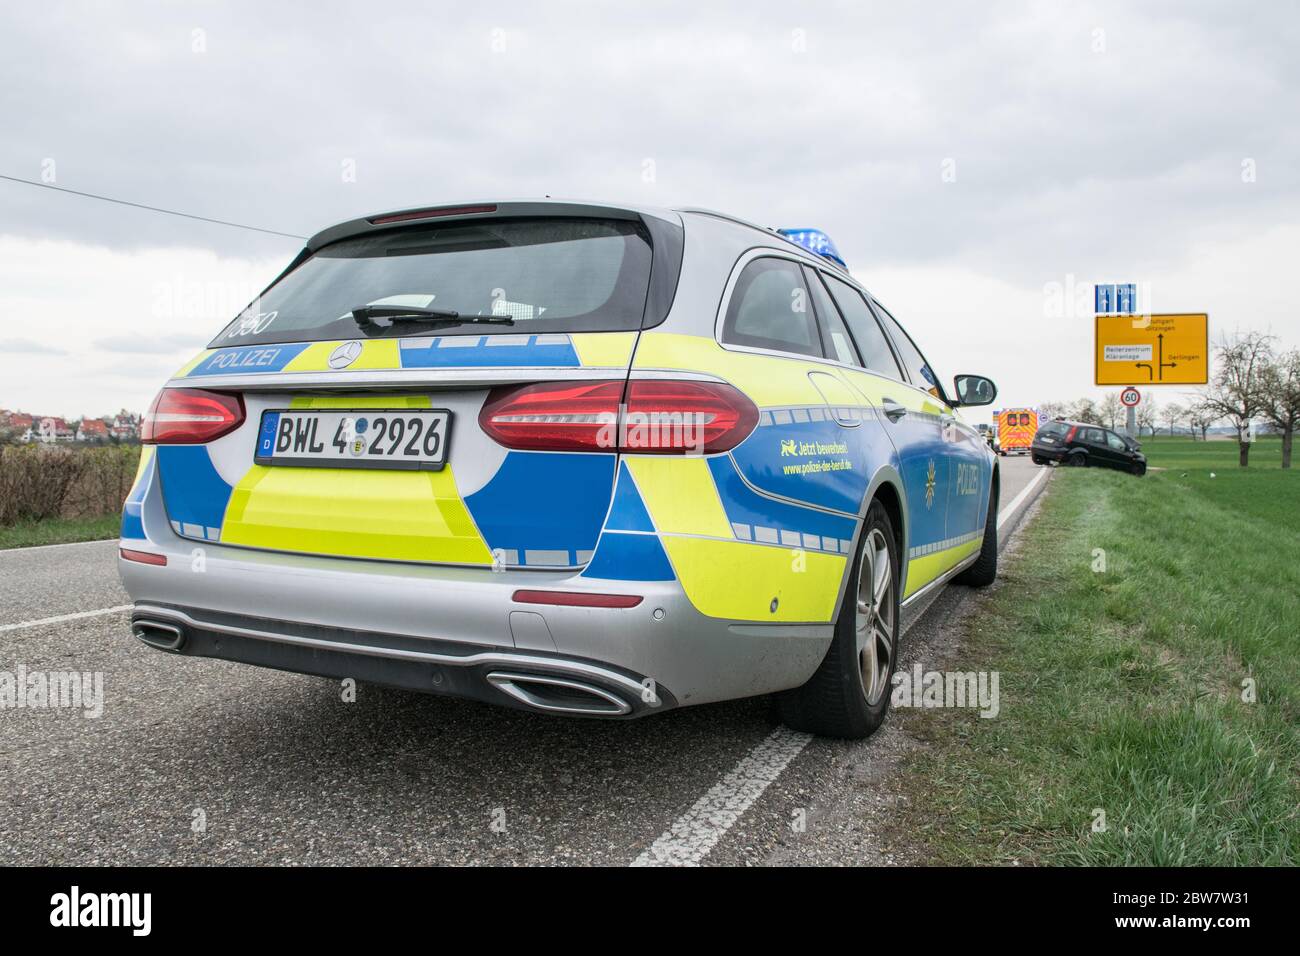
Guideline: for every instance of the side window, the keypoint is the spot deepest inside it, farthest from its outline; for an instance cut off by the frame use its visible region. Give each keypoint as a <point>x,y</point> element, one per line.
<point>1093,436</point>
<point>876,353</point>
<point>1115,442</point>
<point>835,337</point>
<point>769,309</point>
<point>918,368</point>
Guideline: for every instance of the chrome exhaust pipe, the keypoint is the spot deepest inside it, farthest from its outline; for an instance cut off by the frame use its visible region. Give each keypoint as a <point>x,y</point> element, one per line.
<point>560,695</point>
<point>160,635</point>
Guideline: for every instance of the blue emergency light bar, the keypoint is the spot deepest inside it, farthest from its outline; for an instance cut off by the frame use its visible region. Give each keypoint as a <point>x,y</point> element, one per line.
<point>814,240</point>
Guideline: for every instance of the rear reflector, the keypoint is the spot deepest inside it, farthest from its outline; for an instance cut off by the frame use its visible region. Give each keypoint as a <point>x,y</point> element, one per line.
<point>431,214</point>
<point>656,416</point>
<point>144,557</point>
<point>188,416</point>
<point>577,599</point>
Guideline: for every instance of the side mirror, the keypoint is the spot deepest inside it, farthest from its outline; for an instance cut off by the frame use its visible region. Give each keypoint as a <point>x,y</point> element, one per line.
<point>975,390</point>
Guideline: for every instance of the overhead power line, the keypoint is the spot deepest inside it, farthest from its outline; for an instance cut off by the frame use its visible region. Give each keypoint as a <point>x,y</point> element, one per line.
<point>137,205</point>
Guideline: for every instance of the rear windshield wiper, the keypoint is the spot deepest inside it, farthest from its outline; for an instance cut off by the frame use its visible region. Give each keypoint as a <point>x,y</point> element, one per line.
<point>365,316</point>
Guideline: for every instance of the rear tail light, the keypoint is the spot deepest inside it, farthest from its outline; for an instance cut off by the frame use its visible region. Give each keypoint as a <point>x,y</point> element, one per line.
<point>1069,436</point>
<point>675,416</point>
<point>653,416</point>
<point>144,557</point>
<point>576,598</point>
<point>188,416</point>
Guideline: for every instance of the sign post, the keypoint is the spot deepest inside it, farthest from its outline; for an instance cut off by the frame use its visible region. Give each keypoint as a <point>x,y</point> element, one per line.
<point>1130,398</point>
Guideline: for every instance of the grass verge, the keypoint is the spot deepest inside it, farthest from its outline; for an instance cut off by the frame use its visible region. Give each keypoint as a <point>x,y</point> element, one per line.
<point>1126,690</point>
<point>58,531</point>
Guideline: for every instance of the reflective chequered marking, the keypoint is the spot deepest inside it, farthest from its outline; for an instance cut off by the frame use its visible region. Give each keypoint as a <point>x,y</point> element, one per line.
<point>788,538</point>
<point>937,546</point>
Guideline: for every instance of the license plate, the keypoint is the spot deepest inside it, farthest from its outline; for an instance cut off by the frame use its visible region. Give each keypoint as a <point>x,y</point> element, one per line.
<point>410,438</point>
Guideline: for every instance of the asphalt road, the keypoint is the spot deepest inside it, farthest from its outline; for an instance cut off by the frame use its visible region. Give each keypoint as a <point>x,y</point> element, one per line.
<point>203,762</point>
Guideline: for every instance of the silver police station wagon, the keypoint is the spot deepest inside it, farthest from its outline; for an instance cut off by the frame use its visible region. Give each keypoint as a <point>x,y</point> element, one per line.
<point>576,458</point>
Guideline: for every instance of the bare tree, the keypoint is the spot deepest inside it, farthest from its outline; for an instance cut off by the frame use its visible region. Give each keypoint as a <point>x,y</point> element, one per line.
<point>1280,398</point>
<point>1111,409</point>
<point>1050,410</point>
<point>1200,417</point>
<point>1172,415</point>
<point>1147,413</point>
<point>1085,410</point>
<point>1234,392</point>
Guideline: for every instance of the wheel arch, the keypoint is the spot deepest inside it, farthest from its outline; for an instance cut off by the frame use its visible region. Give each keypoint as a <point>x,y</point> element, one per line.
<point>888,495</point>
<point>887,486</point>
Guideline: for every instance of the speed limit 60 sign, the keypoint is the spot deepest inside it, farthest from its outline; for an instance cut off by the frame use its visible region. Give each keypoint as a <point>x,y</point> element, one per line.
<point>1130,397</point>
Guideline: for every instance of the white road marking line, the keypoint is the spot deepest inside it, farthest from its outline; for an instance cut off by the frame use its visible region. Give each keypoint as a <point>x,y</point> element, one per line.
<point>697,831</point>
<point>65,617</point>
<point>61,544</point>
<point>1015,503</point>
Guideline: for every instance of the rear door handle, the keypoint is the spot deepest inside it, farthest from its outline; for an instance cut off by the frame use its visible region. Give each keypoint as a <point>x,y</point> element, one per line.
<point>893,411</point>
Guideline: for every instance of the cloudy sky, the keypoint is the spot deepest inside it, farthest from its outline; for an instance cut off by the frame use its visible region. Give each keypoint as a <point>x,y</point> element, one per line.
<point>976,166</point>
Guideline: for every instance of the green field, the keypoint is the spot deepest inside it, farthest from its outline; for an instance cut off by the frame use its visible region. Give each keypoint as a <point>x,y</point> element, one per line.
<point>25,534</point>
<point>54,495</point>
<point>1123,690</point>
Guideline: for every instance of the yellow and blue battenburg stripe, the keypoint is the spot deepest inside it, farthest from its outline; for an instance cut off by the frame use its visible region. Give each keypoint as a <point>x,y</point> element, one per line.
<point>133,509</point>
<point>489,351</point>
<point>760,533</point>
<point>756,517</point>
<point>196,495</point>
<point>380,514</point>
<point>536,510</point>
<point>253,359</point>
<point>738,554</point>
<point>554,350</point>
<point>628,548</point>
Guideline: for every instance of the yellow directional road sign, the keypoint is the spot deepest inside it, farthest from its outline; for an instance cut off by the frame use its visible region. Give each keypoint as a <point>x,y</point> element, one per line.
<point>1153,349</point>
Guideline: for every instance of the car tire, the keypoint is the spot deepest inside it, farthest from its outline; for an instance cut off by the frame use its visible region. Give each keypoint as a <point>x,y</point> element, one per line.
<point>985,569</point>
<point>1138,469</point>
<point>1077,459</point>
<point>1037,460</point>
<point>848,696</point>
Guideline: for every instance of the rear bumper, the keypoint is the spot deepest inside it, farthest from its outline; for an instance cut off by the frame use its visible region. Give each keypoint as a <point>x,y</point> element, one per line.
<point>1049,452</point>
<point>458,631</point>
<point>533,681</point>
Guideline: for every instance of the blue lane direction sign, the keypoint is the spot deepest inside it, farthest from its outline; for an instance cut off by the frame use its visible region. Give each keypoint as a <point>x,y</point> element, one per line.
<point>1104,299</point>
<point>1115,299</point>
<point>1126,298</point>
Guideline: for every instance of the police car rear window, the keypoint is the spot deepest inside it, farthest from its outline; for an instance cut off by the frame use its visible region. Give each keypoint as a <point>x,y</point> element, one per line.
<point>547,275</point>
<point>769,309</point>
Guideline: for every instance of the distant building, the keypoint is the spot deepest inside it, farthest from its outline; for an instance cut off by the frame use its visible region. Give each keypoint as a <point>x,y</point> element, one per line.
<point>51,430</point>
<point>125,426</point>
<point>92,429</point>
<point>19,421</point>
